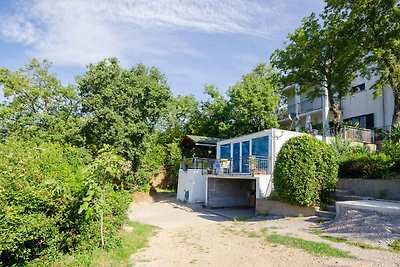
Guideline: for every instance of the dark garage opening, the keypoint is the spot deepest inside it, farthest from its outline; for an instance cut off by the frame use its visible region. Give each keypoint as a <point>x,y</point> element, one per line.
<point>231,192</point>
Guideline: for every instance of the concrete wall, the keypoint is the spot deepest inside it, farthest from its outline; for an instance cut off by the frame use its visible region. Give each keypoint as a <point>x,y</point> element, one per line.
<point>386,189</point>
<point>272,207</point>
<point>229,192</point>
<point>194,182</point>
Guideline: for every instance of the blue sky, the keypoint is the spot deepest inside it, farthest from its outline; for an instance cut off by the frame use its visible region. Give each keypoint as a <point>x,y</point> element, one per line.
<point>192,42</point>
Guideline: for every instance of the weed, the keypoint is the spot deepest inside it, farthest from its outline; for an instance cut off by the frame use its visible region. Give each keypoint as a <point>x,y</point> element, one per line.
<point>312,247</point>
<point>242,218</point>
<point>395,246</point>
<point>118,256</point>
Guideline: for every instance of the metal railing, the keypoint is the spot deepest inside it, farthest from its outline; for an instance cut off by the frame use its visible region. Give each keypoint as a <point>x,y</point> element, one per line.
<point>238,166</point>
<point>358,134</point>
<point>308,106</point>
<point>284,112</point>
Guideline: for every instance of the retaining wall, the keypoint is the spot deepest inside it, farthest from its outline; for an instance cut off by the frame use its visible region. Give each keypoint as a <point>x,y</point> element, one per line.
<point>380,189</point>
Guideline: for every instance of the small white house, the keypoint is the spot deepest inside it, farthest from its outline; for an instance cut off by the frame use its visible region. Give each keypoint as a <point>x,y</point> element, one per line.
<point>241,172</point>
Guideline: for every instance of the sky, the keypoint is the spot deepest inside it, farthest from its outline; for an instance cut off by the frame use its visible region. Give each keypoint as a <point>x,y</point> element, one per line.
<point>193,42</point>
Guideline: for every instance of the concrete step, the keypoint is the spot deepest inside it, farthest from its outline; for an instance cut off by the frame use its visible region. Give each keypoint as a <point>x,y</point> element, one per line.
<point>331,208</point>
<point>350,198</point>
<point>325,214</point>
<point>385,207</point>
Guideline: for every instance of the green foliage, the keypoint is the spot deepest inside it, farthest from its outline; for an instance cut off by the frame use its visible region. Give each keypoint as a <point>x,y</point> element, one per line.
<point>316,248</point>
<point>122,107</point>
<point>133,239</point>
<point>319,56</point>
<point>250,107</point>
<point>49,205</point>
<point>367,166</point>
<point>305,170</point>
<point>40,185</point>
<point>37,105</point>
<point>254,100</point>
<point>375,24</point>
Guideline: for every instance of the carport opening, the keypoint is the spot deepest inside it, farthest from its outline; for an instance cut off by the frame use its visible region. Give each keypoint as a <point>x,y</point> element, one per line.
<point>231,193</point>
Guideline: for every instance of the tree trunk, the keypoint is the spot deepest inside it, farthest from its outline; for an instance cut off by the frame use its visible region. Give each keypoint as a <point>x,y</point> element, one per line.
<point>336,118</point>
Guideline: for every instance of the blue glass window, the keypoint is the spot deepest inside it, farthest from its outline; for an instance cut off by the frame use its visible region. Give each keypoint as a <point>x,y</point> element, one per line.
<point>245,156</point>
<point>236,157</point>
<point>259,147</point>
<point>226,151</point>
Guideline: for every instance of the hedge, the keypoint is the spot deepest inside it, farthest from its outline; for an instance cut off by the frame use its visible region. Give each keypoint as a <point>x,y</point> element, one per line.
<point>305,171</point>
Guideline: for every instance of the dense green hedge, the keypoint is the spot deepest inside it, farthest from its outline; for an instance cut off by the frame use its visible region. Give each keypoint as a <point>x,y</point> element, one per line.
<point>305,170</point>
<point>42,187</point>
<point>365,166</point>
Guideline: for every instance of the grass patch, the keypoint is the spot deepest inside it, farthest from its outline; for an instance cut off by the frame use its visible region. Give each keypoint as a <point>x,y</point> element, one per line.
<point>345,241</point>
<point>395,246</point>
<point>130,243</point>
<point>165,190</point>
<point>334,238</point>
<point>242,218</point>
<point>316,248</point>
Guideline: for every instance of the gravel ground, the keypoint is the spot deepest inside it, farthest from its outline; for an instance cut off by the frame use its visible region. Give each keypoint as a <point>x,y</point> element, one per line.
<point>365,226</point>
<point>191,235</point>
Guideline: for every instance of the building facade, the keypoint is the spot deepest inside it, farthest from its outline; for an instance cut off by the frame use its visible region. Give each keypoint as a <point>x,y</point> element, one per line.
<point>360,107</point>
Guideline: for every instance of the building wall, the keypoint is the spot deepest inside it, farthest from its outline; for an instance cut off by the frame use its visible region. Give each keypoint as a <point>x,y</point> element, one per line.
<point>358,104</point>
<point>363,102</point>
<point>194,181</point>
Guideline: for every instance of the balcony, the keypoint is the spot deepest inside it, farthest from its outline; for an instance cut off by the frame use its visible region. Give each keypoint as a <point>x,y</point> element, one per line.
<point>358,134</point>
<point>309,106</point>
<point>236,166</point>
<point>283,113</point>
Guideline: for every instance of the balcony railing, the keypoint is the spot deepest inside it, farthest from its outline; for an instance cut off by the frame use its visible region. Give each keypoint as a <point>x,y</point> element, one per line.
<point>358,134</point>
<point>308,106</point>
<point>284,112</point>
<point>235,166</point>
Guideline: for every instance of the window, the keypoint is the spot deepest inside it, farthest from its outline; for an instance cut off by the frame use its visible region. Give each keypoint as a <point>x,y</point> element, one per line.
<point>259,147</point>
<point>364,121</point>
<point>358,88</point>
<point>226,151</point>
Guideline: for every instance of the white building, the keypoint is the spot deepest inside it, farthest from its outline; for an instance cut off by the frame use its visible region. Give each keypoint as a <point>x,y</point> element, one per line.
<point>359,107</point>
<point>241,173</point>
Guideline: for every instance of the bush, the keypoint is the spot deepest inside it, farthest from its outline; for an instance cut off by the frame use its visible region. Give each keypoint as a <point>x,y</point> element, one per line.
<point>305,170</point>
<point>365,166</point>
<point>42,187</point>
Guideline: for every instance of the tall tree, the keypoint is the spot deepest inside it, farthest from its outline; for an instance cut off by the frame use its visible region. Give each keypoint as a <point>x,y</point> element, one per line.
<point>122,106</point>
<point>37,104</point>
<point>179,119</point>
<point>254,100</point>
<point>320,57</point>
<point>214,116</point>
<point>374,25</point>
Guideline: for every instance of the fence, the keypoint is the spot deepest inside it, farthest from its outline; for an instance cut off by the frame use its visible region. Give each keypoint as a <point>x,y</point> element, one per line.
<point>237,166</point>
<point>358,134</point>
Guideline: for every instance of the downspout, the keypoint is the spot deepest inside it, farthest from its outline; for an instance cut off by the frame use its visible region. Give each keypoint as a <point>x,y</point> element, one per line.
<point>383,106</point>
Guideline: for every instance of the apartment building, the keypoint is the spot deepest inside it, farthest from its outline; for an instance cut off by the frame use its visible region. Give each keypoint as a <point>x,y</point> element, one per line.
<point>361,107</point>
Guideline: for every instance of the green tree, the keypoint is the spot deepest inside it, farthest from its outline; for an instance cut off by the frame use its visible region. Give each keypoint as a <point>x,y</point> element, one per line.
<point>320,55</point>
<point>179,120</point>
<point>37,104</point>
<point>214,116</point>
<point>122,106</point>
<point>374,25</point>
<point>254,100</point>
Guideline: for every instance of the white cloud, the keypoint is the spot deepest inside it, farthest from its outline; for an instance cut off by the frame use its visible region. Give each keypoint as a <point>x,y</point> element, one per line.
<point>75,32</point>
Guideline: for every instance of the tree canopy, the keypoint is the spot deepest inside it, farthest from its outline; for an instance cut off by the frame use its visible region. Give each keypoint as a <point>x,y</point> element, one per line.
<point>320,56</point>
<point>121,106</point>
<point>37,104</point>
<point>374,25</point>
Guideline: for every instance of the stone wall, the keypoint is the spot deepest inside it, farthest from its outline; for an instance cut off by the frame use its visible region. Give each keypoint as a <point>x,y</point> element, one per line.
<point>380,189</point>
<point>272,207</point>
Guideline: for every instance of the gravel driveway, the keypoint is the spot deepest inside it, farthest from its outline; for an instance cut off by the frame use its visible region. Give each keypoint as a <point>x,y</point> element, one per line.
<point>191,235</point>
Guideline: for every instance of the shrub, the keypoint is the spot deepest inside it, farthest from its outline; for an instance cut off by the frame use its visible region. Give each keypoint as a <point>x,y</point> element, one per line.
<point>366,166</point>
<point>42,188</point>
<point>305,169</point>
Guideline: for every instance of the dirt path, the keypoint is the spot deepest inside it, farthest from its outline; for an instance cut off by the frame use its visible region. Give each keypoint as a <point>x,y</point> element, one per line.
<point>190,235</point>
